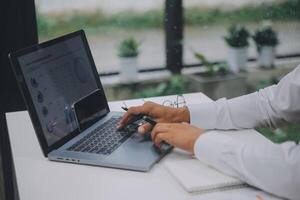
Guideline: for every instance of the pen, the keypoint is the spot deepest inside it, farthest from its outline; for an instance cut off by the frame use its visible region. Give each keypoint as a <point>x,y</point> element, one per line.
<point>143,117</point>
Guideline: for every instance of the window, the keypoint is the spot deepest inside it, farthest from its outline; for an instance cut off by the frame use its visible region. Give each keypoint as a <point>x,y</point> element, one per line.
<point>108,22</point>
<point>207,22</point>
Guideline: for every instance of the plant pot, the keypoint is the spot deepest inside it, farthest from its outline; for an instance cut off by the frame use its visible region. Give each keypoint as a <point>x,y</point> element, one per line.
<point>237,59</point>
<point>266,56</point>
<point>128,69</point>
<point>215,87</point>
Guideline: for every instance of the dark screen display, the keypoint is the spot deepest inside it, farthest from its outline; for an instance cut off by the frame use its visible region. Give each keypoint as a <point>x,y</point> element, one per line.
<point>90,109</point>
<point>57,76</point>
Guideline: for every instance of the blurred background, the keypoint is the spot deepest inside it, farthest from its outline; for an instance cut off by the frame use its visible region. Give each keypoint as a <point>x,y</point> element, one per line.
<point>172,47</point>
<point>108,22</point>
<point>151,48</point>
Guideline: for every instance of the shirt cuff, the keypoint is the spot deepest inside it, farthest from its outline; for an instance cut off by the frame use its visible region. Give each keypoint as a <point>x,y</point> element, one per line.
<point>203,115</point>
<point>211,146</point>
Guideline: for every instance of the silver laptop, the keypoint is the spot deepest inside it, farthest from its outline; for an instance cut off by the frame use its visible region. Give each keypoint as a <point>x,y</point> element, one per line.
<point>69,109</point>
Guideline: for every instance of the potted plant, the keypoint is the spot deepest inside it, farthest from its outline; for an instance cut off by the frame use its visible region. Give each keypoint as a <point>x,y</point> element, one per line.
<point>128,53</point>
<point>237,40</point>
<point>216,80</point>
<point>212,69</point>
<point>266,41</point>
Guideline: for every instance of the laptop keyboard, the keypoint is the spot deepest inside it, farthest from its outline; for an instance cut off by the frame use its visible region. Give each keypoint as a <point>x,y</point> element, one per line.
<point>103,140</point>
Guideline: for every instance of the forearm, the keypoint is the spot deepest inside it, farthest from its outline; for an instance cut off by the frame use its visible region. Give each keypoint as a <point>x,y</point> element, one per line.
<point>271,107</point>
<point>270,167</point>
<point>238,113</point>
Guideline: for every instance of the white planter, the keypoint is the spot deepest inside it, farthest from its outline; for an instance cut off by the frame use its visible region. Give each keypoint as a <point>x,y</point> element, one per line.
<point>237,59</point>
<point>266,56</point>
<point>128,69</point>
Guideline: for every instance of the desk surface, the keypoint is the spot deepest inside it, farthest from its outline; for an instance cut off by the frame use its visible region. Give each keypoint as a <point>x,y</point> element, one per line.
<point>38,178</point>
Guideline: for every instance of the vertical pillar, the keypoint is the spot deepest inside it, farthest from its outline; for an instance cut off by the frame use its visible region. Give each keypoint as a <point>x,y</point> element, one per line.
<point>8,179</point>
<point>174,35</point>
<point>18,30</point>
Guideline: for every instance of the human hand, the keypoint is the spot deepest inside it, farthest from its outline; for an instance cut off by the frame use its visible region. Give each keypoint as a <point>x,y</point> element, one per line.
<point>181,135</point>
<point>258,197</point>
<point>157,112</point>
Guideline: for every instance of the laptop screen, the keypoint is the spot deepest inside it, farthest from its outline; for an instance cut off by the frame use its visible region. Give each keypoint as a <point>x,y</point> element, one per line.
<point>57,76</point>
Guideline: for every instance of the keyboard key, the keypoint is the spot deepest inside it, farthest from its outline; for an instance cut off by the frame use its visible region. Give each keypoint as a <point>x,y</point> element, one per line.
<point>103,140</point>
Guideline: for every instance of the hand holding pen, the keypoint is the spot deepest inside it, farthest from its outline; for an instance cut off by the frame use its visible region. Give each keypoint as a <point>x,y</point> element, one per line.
<point>172,125</point>
<point>141,117</point>
<point>155,113</point>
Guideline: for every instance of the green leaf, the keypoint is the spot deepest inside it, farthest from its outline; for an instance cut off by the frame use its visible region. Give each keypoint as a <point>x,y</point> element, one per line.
<point>128,48</point>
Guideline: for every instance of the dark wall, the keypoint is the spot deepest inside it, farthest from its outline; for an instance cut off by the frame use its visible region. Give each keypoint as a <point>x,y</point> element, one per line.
<point>17,30</point>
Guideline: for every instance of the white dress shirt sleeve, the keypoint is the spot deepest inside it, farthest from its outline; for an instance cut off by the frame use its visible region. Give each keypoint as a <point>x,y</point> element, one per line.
<point>274,168</point>
<point>269,107</point>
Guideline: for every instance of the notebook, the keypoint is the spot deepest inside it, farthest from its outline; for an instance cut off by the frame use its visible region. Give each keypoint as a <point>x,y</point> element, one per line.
<point>197,177</point>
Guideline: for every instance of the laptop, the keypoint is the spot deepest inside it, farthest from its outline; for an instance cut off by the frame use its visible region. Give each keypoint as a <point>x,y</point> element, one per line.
<point>69,110</point>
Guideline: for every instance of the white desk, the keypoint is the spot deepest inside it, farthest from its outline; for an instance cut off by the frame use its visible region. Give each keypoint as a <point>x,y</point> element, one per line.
<point>40,179</point>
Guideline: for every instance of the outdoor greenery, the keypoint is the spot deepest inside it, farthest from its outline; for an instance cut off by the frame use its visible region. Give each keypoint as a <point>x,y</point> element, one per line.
<point>97,21</point>
<point>211,68</point>
<point>265,36</point>
<point>287,133</point>
<point>175,85</point>
<point>237,36</point>
<point>128,48</point>
<point>263,83</point>
<point>287,10</point>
